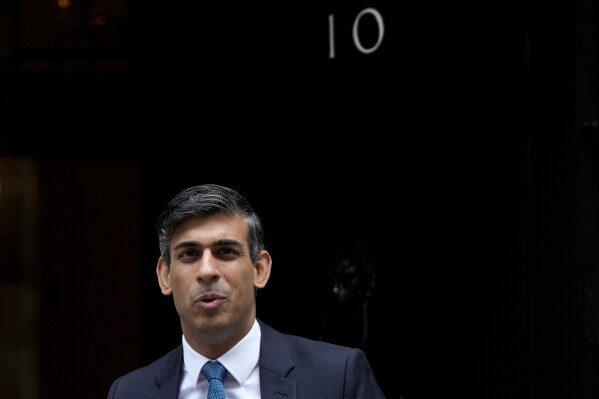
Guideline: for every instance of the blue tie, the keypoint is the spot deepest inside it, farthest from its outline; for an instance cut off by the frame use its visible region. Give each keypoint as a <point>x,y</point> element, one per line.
<point>215,373</point>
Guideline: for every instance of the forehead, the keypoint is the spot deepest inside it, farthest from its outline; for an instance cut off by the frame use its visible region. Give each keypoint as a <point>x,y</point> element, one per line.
<point>210,228</point>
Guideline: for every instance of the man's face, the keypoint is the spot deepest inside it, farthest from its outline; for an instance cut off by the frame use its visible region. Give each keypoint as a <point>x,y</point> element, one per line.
<point>212,279</point>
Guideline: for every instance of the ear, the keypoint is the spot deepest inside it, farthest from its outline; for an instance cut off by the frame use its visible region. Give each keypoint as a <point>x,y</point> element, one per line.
<point>262,272</point>
<point>164,277</point>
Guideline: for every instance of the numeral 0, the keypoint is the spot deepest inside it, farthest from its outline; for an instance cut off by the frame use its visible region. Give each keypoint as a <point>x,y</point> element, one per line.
<point>381,28</point>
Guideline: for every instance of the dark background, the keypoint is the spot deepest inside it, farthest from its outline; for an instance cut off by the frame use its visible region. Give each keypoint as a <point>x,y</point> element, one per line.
<point>463,152</point>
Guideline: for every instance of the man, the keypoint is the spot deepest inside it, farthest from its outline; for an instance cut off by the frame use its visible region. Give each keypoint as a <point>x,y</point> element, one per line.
<point>212,260</point>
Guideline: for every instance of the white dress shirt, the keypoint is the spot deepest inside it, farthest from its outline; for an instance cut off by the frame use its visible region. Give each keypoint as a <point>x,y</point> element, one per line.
<point>241,361</point>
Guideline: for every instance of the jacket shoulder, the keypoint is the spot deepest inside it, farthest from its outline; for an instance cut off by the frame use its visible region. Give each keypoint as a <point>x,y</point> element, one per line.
<point>306,349</point>
<point>319,369</point>
<point>148,379</point>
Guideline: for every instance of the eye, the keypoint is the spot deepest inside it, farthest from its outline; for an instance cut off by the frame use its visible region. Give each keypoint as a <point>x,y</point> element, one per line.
<point>188,253</point>
<point>227,252</point>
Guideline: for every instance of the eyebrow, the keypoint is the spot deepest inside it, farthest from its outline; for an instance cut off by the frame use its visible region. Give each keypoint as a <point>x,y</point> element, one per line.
<point>220,242</point>
<point>228,241</point>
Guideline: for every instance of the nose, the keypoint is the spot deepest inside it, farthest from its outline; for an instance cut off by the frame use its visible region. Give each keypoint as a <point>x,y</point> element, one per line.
<point>207,268</point>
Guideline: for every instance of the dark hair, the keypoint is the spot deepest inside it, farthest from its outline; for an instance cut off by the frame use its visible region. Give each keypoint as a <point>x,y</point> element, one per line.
<point>206,200</point>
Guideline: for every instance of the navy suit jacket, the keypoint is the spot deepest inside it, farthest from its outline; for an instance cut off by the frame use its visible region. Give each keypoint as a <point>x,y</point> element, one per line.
<point>291,367</point>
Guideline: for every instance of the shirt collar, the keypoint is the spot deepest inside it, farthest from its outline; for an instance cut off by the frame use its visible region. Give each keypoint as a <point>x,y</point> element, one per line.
<point>239,361</point>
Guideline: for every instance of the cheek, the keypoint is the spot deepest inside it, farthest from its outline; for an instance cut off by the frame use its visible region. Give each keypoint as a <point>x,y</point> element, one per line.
<point>180,290</point>
<point>179,283</point>
<point>243,282</point>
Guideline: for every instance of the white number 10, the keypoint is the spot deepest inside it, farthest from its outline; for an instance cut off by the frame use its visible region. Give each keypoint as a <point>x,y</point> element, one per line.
<point>381,28</point>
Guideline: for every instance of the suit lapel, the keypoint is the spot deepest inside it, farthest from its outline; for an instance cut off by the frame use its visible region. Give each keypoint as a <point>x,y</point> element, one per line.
<point>169,377</point>
<point>275,364</point>
<point>274,386</point>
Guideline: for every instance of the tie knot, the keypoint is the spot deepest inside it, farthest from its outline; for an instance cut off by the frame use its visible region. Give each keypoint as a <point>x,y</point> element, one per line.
<point>212,370</point>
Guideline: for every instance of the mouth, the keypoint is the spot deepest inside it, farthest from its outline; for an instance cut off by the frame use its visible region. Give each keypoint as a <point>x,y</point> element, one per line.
<point>209,301</point>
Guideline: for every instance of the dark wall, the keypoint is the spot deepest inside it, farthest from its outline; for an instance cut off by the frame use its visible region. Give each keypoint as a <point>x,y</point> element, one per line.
<point>87,276</point>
